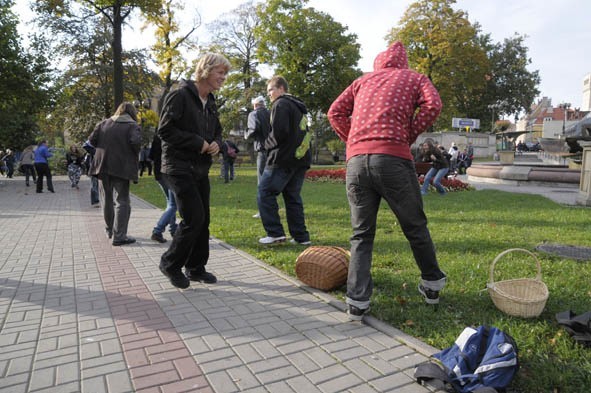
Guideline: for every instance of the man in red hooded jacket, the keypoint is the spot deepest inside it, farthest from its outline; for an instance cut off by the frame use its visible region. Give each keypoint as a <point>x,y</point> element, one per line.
<point>379,117</point>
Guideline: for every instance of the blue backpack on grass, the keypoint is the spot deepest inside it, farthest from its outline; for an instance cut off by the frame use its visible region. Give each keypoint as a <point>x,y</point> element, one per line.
<point>482,360</point>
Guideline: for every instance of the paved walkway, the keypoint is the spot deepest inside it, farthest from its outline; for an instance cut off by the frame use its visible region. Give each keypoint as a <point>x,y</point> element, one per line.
<point>79,315</point>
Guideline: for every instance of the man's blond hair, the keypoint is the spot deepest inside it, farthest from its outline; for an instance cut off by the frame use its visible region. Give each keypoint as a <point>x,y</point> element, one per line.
<point>208,62</point>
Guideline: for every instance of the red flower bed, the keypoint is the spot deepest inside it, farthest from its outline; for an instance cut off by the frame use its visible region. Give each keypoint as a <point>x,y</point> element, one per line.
<point>338,175</point>
<point>327,174</point>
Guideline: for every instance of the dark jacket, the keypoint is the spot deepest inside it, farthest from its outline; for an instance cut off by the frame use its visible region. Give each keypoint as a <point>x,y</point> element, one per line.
<point>184,125</point>
<point>156,156</point>
<point>286,136</point>
<point>440,161</point>
<point>224,150</point>
<point>259,126</point>
<point>117,141</point>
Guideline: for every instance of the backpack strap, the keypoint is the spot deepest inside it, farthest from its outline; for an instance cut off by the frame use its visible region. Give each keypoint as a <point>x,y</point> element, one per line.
<point>432,373</point>
<point>579,327</point>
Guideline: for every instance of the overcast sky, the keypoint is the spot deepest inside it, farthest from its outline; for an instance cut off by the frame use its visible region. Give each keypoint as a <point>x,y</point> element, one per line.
<point>558,33</point>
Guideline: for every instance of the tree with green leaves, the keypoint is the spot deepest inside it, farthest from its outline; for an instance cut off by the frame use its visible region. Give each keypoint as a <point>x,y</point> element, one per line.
<point>24,83</point>
<point>442,44</point>
<point>62,15</point>
<point>170,41</point>
<point>85,86</point>
<point>469,71</point>
<point>234,35</point>
<point>510,83</point>
<point>308,48</point>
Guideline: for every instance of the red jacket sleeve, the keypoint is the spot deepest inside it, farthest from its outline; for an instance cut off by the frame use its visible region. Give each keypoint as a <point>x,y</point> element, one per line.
<point>339,113</point>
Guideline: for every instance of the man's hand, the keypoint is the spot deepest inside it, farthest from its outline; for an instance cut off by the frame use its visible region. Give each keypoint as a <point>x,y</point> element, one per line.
<point>213,148</point>
<point>205,147</point>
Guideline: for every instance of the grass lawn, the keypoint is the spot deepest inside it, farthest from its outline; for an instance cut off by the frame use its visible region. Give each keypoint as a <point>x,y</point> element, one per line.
<point>469,229</point>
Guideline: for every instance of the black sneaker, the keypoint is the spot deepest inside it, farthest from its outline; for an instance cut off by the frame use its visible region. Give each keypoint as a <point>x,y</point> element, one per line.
<point>431,296</point>
<point>122,242</point>
<point>158,238</point>
<point>177,279</point>
<point>356,313</point>
<point>205,277</point>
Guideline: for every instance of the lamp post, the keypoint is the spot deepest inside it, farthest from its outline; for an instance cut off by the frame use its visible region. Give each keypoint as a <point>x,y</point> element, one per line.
<point>142,107</point>
<point>496,106</point>
<point>564,106</point>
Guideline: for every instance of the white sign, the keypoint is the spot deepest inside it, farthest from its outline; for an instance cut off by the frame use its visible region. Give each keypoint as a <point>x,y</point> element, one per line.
<point>458,122</point>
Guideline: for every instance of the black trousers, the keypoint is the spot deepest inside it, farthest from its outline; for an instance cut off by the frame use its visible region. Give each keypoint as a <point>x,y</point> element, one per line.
<point>43,170</point>
<point>190,244</point>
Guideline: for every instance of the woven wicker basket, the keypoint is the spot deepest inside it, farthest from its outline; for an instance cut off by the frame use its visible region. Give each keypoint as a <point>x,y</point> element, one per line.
<point>524,297</point>
<point>323,267</point>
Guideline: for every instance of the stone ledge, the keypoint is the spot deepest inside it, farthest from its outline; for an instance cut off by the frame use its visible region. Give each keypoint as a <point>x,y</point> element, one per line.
<point>522,173</point>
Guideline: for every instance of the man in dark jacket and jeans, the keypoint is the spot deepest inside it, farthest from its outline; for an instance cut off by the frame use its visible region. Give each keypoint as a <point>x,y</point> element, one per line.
<point>191,135</point>
<point>284,173</point>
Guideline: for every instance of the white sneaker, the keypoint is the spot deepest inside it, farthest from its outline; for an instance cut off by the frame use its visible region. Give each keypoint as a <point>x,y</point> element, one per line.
<point>272,240</point>
<point>306,243</point>
<point>257,215</point>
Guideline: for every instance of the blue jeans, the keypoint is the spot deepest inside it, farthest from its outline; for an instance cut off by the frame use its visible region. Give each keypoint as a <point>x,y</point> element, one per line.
<point>168,217</point>
<point>371,178</point>
<point>94,190</point>
<point>261,162</point>
<point>288,182</point>
<point>228,169</point>
<point>436,175</point>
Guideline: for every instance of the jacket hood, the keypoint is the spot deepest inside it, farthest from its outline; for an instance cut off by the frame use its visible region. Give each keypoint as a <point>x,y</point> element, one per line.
<point>125,118</point>
<point>393,57</point>
<point>299,103</point>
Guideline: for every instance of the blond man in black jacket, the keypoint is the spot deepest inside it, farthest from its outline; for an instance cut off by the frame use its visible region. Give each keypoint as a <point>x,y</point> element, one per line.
<point>191,135</point>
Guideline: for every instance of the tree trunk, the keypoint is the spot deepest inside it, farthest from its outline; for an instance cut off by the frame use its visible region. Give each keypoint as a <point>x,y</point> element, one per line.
<point>117,58</point>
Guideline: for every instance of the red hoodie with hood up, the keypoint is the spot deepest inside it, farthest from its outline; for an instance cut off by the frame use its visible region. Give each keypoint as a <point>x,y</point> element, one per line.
<point>384,111</point>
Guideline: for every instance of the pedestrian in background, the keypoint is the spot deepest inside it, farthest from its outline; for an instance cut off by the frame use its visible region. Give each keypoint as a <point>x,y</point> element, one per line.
<point>191,135</point>
<point>117,142</point>
<point>379,116</point>
<point>229,154</point>
<point>145,161</point>
<point>168,217</point>
<point>9,162</point>
<point>42,154</point>
<point>75,160</point>
<point>439,167</point>
<point>94,186</point>
<point>27,162</point>
<point>258,128</point>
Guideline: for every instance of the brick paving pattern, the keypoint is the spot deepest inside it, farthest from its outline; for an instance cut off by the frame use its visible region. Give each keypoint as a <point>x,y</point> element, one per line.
<point>79,315</point>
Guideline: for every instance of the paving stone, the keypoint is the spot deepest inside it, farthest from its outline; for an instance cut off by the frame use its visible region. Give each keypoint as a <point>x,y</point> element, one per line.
<point>341,383</point>
<point>243,377</point>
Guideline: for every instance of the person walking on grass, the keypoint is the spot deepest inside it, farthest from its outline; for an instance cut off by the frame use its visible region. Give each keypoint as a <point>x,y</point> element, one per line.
<point>259,126</point>
<point>229,152</point>
<point>439,167</point>
<point>284,172</point>
<point>379,116</point>
<point>191,135</point>
<point>117,141</point>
